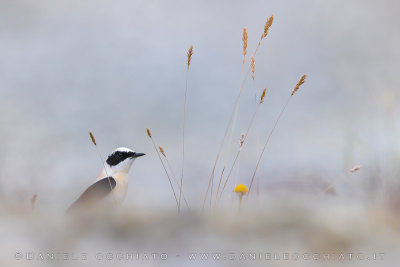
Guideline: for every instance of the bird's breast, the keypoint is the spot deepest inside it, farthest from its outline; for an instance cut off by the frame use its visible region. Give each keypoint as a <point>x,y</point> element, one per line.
<point>118,194</point>
<point>121,187</point>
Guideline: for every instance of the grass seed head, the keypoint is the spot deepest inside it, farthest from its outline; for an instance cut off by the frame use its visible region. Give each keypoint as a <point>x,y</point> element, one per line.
<point>92,137</point>
<point>253,67</point>
<point>241,140</point>
<point>148,132</point>
<point>162,151</point>
<point>189,54</point>
<point>244,38</point>
<point>355,168</point>
<point>267,25</point>
<point>299,83</point>
<point>263,95</point>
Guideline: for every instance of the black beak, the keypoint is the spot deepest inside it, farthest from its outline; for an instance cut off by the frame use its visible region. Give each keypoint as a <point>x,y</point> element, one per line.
<point>136,155</point>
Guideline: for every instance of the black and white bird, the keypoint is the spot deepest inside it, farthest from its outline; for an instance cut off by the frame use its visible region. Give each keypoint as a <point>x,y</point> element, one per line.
<point>111,186</point>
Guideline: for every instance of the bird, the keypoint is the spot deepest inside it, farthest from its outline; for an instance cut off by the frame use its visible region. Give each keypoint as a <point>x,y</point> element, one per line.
<point>111,186</point>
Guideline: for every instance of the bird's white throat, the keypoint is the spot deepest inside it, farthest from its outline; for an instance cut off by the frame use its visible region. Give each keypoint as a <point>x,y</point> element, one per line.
<point>122,167</point>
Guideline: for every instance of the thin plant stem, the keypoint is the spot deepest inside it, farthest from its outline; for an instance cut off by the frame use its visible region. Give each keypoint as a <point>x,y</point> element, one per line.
<point>295,89</point>
<point>219,184</point>
<point>226,133</point>
<point>234,120</point>
<point>183,138</point>
<point>166,172</point>
<point>104,165</point>
<point>232,117</point>
<point>229,142</point>
<point>238,152</point>
<point>257,135</point>
<point>331,185</point>
<point>176,180</point>
<point>211,192</point>
<point>267,141</point>
<point>189,58</point>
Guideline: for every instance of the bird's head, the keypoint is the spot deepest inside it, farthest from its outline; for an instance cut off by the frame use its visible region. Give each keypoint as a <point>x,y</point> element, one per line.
<point>121,159</point>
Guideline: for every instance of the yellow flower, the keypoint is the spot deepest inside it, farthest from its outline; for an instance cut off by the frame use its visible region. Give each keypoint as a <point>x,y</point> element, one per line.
<point>241,189</point>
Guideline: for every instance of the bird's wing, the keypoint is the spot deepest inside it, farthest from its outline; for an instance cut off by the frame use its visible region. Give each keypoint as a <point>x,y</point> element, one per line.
<point>95,192</point>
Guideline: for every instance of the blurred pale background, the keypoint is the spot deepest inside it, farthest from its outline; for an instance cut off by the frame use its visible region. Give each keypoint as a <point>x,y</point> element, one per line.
<point>118,67</point>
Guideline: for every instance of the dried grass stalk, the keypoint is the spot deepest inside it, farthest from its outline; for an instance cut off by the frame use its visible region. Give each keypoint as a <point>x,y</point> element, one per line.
<point>189,53</point>
<point>243,137</point>
<point>162,151</point>
<point>219,185</point>
<point>163,165</point>
<point>232,119</point>
<point>299,83</point>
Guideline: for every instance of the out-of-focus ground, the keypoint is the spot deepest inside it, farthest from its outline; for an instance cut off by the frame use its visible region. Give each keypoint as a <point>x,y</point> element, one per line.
<point>117,68</point>
<point>280,231</point>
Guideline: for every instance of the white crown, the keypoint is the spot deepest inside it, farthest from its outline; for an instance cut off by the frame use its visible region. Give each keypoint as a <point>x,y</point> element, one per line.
<point>123,149</point>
